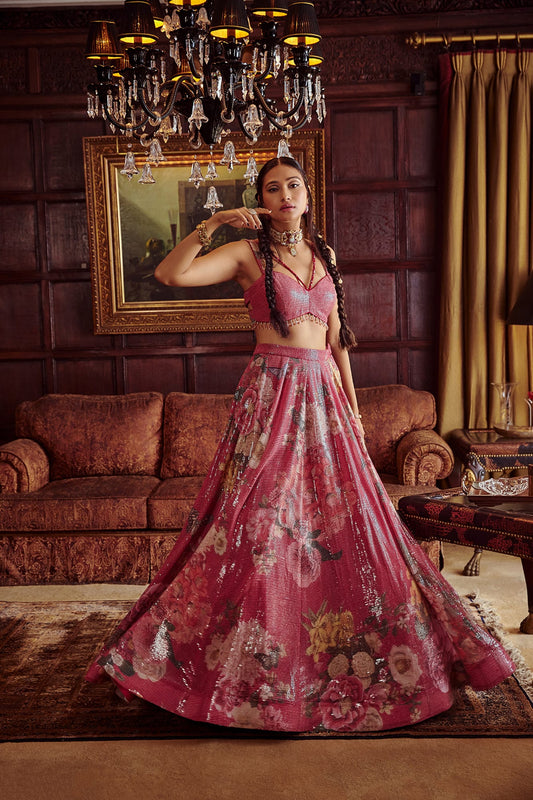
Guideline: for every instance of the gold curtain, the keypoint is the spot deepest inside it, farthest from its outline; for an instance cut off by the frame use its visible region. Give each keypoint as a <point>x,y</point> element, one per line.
<point>487,235</point>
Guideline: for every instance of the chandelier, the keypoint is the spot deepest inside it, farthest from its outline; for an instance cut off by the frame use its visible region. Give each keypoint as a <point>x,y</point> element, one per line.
<point>201,67</point>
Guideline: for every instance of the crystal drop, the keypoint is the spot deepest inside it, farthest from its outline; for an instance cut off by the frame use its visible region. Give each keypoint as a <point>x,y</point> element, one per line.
<point>155,154</point>
<point>166,129</point>
<point>212,200</point>
<point>251,170</point>
<point>196,177</point>
<point>197,116</point>
<point>230,157</point>
<point>130,167</point>
<point>283,148</point>
<point>202,19</point>
<point>147,176</point>
<point>211,174</point>
<point>252,125</point>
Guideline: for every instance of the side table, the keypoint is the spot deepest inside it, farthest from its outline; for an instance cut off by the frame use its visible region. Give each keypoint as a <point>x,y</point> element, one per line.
<point>500,523</point>
<point>482,452</point>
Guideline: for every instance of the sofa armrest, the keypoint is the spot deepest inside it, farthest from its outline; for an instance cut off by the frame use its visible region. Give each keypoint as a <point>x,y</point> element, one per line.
<point>423,458</point>
<point>24,466</point>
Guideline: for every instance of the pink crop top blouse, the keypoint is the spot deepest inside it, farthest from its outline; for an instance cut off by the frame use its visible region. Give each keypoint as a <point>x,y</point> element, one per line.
<point>296,302</point>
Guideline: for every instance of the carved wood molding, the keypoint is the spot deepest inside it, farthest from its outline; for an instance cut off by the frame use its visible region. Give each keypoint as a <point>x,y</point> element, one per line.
<point>73,18</point>
<point>373,8</point>
<point>376,58</point>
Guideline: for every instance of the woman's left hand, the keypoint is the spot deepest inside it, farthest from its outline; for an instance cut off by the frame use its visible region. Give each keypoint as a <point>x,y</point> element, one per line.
<point>241,217</point>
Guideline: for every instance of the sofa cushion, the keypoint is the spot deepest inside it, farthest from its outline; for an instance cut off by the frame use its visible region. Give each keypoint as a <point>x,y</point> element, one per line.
<point>388,413</point>
<point>169,505</point>
<point>193,427</point>
<point>80,504</point>
<point>86,435</point>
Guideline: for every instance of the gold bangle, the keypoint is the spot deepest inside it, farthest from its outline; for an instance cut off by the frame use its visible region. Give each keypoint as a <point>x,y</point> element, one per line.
<point>201,230</point>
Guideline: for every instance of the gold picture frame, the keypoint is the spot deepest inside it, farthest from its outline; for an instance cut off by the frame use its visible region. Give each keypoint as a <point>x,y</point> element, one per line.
<point>127,222</point>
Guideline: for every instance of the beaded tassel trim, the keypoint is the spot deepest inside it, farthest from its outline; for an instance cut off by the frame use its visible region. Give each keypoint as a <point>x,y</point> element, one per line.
<point>292,322</point>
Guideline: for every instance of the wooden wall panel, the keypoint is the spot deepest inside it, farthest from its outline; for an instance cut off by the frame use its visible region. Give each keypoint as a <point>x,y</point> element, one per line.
<point>16,156</point>
<point>21,380</point>
<point>422,143</point>
<point>155,374</point>
<point>154,341</point>
<point>421,224</point>
<point>18,240</point>
<point>21,324</point>
<point>375,369</point>
<point>219,373</point>
<point>422,369</point>
<point>63,160</point>
<point>85,376</point>
<point>363,145</point>
<point>72,317</point>
<point>66,236</point>
<point>230,338</point>
<point>366,226</point>
<point>422,304</point>
<point>372,305</point>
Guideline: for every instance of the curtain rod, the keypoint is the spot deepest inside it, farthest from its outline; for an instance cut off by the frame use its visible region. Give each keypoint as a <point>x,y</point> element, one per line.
<point>420,39</point>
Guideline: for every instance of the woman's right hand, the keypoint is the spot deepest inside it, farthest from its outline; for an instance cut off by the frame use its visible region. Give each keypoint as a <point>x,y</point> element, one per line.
<point>240,217</point>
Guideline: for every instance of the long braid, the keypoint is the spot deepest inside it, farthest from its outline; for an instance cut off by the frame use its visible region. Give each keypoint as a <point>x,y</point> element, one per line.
<point>346,336</point>
<point>277,320</point>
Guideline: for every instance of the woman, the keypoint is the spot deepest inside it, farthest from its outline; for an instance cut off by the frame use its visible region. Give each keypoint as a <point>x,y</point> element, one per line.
<point>294,599</point>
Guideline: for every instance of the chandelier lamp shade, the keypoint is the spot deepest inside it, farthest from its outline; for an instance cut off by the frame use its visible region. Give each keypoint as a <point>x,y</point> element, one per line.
<point>207,67</point>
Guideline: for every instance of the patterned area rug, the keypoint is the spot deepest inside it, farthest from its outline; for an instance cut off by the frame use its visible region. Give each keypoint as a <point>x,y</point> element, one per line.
<point>45,649</point>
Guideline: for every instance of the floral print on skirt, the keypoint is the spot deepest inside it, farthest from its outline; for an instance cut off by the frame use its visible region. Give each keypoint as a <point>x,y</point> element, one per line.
<point>296,599</point>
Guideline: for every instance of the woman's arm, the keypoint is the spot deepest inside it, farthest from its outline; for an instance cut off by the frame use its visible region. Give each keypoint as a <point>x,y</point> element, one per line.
<point>183,267</point>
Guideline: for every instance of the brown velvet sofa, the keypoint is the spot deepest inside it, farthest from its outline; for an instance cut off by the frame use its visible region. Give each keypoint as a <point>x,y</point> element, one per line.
<point>97,487</point>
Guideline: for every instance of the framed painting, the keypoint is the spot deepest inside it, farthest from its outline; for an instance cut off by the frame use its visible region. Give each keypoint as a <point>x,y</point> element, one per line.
<point>133,225</point>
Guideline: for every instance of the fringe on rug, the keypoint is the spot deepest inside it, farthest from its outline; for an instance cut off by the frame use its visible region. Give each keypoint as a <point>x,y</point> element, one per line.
<point>493,623</point>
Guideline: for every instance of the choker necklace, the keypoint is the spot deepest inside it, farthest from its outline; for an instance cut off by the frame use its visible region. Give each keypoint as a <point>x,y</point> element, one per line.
<point>287,238</point>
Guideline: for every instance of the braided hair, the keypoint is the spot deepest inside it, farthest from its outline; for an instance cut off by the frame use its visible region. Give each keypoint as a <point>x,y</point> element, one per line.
<point>278,321</point>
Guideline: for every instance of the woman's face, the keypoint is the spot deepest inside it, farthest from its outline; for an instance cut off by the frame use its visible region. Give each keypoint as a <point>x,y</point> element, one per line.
<point>285,194</point>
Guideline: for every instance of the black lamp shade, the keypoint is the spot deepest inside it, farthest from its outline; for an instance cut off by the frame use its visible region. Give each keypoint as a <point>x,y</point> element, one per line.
<point>270,8</point>
<point>158,14</point>
<point>229,20</point>
<point>102,41</point>
<point>301,25</point>
<point>138,27</point>
<point>522,311</point>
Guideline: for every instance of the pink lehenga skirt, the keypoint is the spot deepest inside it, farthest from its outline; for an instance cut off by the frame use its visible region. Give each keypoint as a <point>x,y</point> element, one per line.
<point>296,599</point>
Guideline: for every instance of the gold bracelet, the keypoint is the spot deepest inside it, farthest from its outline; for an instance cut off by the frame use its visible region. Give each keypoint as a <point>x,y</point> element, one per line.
<point>201,230</point>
